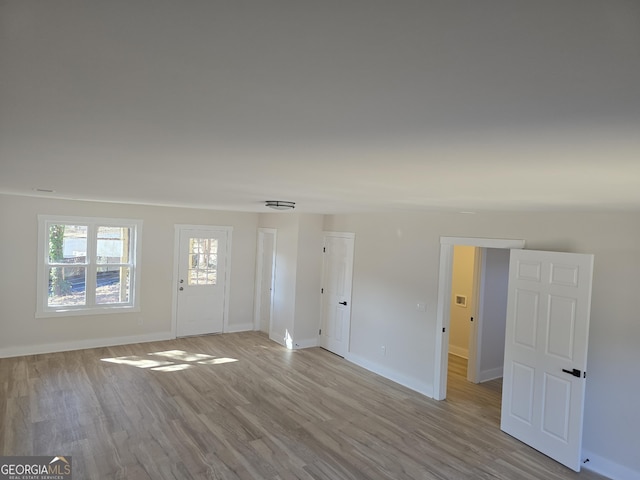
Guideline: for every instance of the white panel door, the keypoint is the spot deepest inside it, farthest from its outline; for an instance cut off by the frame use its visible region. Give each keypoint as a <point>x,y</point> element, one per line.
<point>202,262</point>
<point>337,277</point>
<point>548,310</point>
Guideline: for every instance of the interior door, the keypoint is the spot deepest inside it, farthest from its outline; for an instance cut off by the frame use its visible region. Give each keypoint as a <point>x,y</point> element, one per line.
<point>202,263</point>
<point>548,310</point>
<point>337,275</point>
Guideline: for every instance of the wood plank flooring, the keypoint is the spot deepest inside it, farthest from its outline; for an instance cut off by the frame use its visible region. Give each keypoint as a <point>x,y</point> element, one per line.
<point>237,406</point>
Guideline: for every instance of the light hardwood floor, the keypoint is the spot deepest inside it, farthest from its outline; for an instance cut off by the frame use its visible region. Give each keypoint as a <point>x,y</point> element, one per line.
<point>238,406</point>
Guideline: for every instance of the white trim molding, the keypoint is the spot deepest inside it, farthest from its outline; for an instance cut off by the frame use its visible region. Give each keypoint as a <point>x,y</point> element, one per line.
<point>393,375</point>
<point>82,344</point>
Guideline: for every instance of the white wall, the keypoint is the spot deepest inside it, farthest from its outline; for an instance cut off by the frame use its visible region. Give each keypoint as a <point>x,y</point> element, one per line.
<point>21,332</point>
<point>264,280</point>
<point>308,298</point>
<point>396,266</point>
<point>464,258</point>
<point>391,275</point>
<point>298,274</point>
<point>495,280</point>
<point>284,288</point>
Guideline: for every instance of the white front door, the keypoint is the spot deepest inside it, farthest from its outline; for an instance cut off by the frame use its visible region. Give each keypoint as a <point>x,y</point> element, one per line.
<point>548,310</point>
<point>201,280</point>
<point>337,276</point>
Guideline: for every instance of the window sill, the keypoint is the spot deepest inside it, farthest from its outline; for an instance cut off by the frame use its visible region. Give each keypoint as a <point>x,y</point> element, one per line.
<point>75,312</point>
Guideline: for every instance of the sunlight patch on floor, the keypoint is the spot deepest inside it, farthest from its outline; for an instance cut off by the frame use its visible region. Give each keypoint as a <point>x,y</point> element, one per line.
<point>183,360</point>
<point>137,361</point>
<point>217,361</point>
<point>172,368</point>
<point>183,356</point>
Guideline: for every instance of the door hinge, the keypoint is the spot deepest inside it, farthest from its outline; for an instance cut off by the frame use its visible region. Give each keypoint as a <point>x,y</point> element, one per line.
<point>320,332</point>
<point>324,249</point>
<point>443,329</point>
<point>322,290</point>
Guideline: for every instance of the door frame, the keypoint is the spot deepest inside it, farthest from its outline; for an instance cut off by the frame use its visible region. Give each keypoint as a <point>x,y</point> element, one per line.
<point>257,300</point>
<point>444,301</point>
<point>176,263</point>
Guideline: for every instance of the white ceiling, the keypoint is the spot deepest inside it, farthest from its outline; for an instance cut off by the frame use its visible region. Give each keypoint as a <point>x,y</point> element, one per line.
<point>340,106</point>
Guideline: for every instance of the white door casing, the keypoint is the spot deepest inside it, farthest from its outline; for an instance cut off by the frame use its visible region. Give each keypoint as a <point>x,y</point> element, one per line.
<point>337,276</point>
<point>548,311</point>
<point>201,271</point>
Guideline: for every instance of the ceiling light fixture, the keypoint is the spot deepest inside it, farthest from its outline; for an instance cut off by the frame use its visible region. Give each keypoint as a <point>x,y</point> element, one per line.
<point>280,205</point>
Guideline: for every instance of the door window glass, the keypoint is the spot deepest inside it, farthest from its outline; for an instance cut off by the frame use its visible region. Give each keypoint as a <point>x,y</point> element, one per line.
<point>203,261</point>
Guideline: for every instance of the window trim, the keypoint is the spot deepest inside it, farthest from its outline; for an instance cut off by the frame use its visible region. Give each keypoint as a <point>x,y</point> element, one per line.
<point>43,310</point>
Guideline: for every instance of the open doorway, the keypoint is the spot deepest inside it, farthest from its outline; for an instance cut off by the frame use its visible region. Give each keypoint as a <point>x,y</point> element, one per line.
<point>547,325</point>
<point>462,313</point>
<point>445,297</point>
<point>480,280</point>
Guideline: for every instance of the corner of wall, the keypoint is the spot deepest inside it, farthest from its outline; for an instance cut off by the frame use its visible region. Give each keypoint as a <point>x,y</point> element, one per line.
<point>605,467</point>
<point>393,375</point>
<point>244,327</point>
<point>491,374</point>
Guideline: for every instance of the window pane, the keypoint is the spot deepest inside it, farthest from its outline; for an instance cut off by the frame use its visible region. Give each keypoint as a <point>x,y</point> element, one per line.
<point>67,243</point>
<point>113,245</point>
<point>194,245</point>
<point>203,261</point>
<point>112,285</point>
<point>67,286</point>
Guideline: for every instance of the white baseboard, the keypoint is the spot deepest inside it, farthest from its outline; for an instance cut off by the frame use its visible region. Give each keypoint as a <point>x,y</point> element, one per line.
<point>459,351</point>
<point>491,374</point>
<point>305,343</point>
<point>243,327</point>
<point>82,344</point>
<point>411,383</point>
<point>605,467</point>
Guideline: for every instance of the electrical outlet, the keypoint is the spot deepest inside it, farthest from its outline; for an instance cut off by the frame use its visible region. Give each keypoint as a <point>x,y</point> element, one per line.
<point>421,307</point>
<point>383,350</point>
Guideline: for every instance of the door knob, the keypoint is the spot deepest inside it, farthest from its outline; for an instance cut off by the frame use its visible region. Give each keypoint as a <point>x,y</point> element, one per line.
<point>343,303</point>
<point>181,288</point>
<point>575,372</point>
